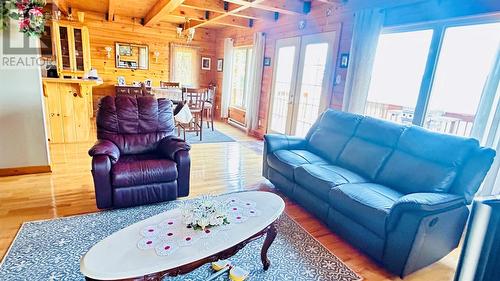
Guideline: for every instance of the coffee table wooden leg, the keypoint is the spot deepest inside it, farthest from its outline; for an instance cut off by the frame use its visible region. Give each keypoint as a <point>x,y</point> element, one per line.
<point>270,235</point>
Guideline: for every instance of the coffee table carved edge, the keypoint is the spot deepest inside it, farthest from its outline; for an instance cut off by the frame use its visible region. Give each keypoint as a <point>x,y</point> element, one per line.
<point>270,231</point>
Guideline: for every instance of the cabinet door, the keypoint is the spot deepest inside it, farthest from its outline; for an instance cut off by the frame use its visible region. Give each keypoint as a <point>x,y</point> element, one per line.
<point>81,117</point>
<point>64,48</point>
<point>135,91</point>
<point>78,49</point>
<point>67,93</point>
<point>86,49</point>
<point>86,92</point>
<point>121,91</point>
<point>55,118</point>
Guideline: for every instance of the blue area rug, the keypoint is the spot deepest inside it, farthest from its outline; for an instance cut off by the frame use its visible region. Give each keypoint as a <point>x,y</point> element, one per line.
<point>51,250</point>
<point>209,136</point>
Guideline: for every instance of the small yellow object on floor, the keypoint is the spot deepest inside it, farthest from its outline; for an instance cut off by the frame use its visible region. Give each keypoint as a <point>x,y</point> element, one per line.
<point>238,274</point>
<point>220,264</point>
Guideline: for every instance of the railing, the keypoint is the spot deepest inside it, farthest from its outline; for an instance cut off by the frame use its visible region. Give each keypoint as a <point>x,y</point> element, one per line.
<point>445,122</point>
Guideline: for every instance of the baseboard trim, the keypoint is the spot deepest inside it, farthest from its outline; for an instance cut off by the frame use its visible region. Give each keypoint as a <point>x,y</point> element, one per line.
<point>5,172</point>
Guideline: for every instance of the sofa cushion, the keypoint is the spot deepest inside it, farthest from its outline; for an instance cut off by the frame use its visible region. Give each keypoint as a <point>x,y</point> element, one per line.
<point>319,179</point>
<point>285,161</point>
<point>368,204</point>
<point>332,133</point>
<point>371,145</point>
<point>425,161</point>
<point>142,169</point>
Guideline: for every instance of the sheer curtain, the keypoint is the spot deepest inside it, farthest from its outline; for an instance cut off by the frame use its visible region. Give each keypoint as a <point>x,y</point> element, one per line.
<point>367,26</point>
<point>226,79</point>
<point>185,65</point>
<point>255,82</point>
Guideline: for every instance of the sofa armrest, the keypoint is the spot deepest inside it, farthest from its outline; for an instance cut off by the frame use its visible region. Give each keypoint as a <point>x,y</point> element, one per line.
<point>275,142</point>
<point>105,147</point>
<point>424,203</point>
<point>169,146</point>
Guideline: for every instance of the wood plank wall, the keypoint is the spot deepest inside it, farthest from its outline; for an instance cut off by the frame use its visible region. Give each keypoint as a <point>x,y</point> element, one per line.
<point>104,33</point>
<point>317,21</point>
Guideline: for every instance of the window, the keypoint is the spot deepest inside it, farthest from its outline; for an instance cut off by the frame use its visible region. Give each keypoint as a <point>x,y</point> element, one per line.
<point>240,75</point>
<point>397,73</point>
<point>435,75</point>
<point>466,59</point>
<point>184,65</point>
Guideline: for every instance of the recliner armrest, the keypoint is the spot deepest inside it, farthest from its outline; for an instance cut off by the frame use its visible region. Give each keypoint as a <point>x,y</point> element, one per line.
<point>426,203</point>
<point>105,147</point>
<point>275,142</point>
<point>169,146</point>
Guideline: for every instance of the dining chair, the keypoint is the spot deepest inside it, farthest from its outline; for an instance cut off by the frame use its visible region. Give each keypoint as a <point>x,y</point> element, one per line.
<point>209,107</point>
<point>164,84</point>
<point>195,100</point>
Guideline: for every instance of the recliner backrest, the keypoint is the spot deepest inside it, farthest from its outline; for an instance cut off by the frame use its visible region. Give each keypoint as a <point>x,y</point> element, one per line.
<point>369,148</point>
<point>328,137</point>
<point>134,124</point>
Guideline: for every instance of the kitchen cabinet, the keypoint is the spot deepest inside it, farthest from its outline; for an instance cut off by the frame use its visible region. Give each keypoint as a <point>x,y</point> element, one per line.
<point>68,109</point>
<point>72,47</point>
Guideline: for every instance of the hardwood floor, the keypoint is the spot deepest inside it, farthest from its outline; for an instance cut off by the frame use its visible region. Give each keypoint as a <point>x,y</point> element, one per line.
<point>216,168</point>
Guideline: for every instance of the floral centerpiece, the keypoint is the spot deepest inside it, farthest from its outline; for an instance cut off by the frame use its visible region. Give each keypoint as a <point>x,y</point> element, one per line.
<point>205,212</point>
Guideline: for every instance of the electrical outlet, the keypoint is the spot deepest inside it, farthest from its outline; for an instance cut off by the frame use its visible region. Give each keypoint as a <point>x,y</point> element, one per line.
<point>260,123</point>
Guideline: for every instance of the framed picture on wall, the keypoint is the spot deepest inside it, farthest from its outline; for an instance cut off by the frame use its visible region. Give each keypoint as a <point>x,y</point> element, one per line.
<point>220,64</point>
<point>344,60</point>
<point>121,81</point>
<point>205,63</point>
<point>267,61</point>
<point>148,83</point>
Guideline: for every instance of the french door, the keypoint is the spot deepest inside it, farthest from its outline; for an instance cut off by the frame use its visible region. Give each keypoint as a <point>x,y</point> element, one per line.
<point>302,81</point>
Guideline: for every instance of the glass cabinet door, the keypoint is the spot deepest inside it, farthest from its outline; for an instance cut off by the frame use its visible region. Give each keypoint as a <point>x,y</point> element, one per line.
<point>78,49</point>
<point>64,41</point>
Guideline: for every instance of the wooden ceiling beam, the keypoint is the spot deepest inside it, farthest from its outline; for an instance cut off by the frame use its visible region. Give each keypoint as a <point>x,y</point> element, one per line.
<point>159,9</point>
<point>111,9</point>
<point>215,7</point>
<point>188,13</point>
<point>233,22</point>
<point>251,13</point>
<point>286,7</point>
<point>232,12</point>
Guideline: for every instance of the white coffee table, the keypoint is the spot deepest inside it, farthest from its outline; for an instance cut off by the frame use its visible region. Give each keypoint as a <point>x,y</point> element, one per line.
<point>118,257</point>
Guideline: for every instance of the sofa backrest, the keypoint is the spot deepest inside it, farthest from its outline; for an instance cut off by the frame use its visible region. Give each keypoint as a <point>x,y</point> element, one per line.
<point>134,124</point>
<point>370,146</point>
<point>425,161</point>
<point>328,137</point>
<point>408,159</point>
<point>473,172</point>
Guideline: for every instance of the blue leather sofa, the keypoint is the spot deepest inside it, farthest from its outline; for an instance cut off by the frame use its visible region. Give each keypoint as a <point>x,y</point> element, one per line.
<point>398,193</point>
